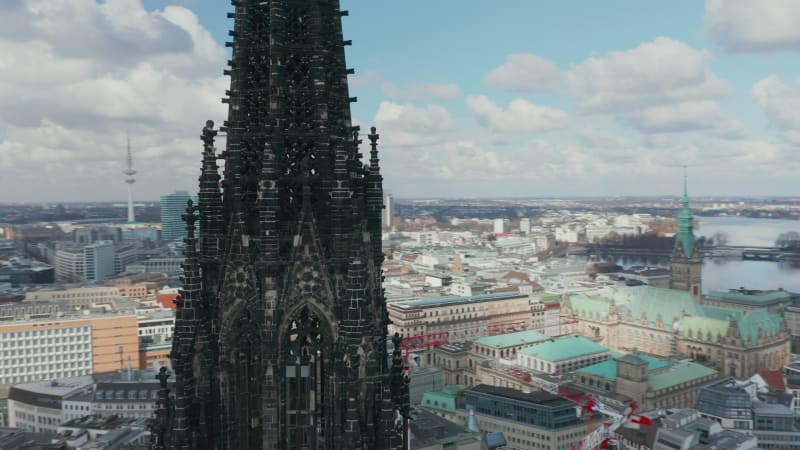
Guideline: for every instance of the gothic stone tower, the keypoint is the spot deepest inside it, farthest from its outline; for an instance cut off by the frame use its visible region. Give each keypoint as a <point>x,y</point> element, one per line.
<point>281,329</point>
<point>686,263</point>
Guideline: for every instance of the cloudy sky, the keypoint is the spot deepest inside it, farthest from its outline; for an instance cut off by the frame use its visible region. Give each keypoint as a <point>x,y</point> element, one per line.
<point>472,98</point>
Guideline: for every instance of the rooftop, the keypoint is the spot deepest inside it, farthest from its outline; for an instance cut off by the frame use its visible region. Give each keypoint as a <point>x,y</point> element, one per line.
<point>512,339</point>
<point>677,374</point>
<point>564,348</point>
<point>751,296</point>
<point>538,397</point>
<point>444,301</point>
<point>608,369</point>
<point>56,388</point>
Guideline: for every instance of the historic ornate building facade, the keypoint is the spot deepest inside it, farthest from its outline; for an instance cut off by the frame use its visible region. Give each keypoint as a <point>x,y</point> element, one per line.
<point>665,322</point>
<point>281,329</point>
<point>686,262</point>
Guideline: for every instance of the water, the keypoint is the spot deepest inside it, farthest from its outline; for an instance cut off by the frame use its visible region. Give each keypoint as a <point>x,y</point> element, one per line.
<point>745,231</point>
<point>724,274</point>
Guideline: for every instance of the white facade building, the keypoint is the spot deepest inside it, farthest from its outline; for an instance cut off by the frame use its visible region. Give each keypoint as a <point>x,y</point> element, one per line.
<point>525,225</point>
<point>38,406</point>
<point>45,354</point>
<point>99,261</point>
<point>499,226</point>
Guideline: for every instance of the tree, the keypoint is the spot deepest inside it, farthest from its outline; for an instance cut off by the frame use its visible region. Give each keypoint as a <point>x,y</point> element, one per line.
<point>719,238</point>
<point>788,240</point>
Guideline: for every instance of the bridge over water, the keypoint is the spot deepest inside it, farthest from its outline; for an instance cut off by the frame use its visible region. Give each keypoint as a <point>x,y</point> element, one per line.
<point>719,251</point>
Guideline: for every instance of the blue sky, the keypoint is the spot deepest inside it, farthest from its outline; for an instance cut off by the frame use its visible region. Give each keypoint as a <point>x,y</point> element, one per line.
<point>511,98</point>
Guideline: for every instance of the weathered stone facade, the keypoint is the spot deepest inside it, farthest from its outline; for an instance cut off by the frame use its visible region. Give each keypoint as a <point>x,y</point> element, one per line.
<point>281,329</point>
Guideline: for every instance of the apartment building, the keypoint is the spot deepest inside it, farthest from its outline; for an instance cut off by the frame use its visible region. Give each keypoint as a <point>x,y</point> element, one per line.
<point>69,346</point>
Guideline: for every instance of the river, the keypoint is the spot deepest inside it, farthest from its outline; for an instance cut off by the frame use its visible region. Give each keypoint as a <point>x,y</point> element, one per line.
<point>724,274</point>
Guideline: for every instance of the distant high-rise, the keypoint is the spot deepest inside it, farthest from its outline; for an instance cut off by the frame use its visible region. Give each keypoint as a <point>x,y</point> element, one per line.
<point>130,172</point>
<point>173,206</point>
<point>99,260</point>
<point>686,263</point>
<point>388,210</point>
<point>525,225</point>
<point>499,226</point>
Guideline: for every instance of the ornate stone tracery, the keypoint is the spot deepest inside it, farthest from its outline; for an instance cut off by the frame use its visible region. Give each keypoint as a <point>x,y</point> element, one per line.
<point>280,339</point>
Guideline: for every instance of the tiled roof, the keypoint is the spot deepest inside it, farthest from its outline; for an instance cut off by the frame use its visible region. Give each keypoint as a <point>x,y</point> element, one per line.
<point>773,378</point>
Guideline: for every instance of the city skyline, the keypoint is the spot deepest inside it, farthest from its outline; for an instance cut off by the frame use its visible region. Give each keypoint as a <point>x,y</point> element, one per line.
<point>508,101</point>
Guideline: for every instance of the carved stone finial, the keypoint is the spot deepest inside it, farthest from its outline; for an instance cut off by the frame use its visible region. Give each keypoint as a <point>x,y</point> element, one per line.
<point>209,133</point>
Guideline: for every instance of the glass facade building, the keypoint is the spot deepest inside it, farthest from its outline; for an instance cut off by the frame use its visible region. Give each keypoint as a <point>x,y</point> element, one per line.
<point>173,206</point>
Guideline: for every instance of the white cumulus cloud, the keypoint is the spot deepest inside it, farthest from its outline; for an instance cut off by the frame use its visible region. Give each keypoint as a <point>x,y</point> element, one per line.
<point>525,72</point>
<point>422,91</point>
<point>753,25</point>
<point>77,75</point>
<point>659,86</point>
<point>520,116</point>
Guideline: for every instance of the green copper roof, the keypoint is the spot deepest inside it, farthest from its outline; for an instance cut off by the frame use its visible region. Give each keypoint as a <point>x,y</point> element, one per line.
<point>684,240</point>
<point>589,307</point>
<point>547,297</point>
<point>704,328</point>
<point>678,373</point>
<point>512,339</point>
<point>717,320</point>
<point>564,348</point>
<point>608,369</point>
<point>444,400</point>
<point>677,305</point>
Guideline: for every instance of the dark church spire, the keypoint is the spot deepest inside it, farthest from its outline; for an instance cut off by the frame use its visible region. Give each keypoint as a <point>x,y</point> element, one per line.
<point>281,328</point>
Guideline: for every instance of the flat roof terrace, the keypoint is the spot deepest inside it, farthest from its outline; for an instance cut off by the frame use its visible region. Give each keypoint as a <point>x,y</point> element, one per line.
<point>453,301</point>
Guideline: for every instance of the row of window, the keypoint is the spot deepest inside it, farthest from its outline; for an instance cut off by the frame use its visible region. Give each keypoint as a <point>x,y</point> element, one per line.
<point>53,354</point>
<point>48,332</point>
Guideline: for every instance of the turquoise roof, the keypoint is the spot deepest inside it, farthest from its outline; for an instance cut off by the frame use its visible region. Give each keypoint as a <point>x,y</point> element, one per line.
<point>444,400</point>
<point>678,373</point>
<point>564,348</point>
<point>608,369</point>
<point>672,305</point>
<point>684,240</point>
<point>717,321</point>
<point>512,339</point>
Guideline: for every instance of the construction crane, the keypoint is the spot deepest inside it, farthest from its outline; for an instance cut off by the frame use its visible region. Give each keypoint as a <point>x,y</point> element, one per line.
<point>597,437</point>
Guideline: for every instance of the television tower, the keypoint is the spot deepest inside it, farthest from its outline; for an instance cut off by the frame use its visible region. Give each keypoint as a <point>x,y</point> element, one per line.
<point>130,172</point>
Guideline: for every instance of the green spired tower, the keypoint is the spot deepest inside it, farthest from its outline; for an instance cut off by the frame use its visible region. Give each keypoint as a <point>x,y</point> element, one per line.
<point>686,263</point>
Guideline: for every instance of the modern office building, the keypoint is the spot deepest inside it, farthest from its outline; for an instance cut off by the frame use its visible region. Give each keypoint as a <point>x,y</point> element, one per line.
<point>735,405</point>
<point>38,406</point>
<point>75,263</point>
<point>99,261</point>
<point>687,429</point>
<point>527,419</point>
<point>173,207</point>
